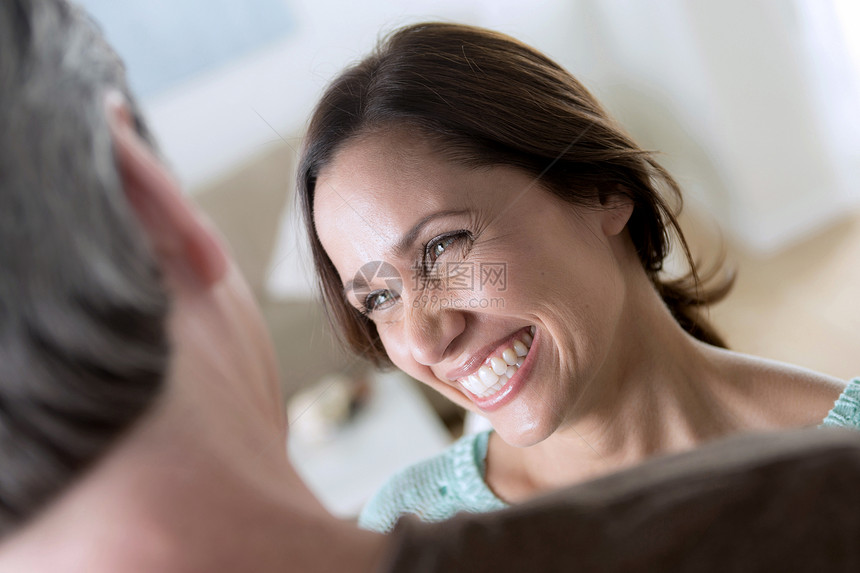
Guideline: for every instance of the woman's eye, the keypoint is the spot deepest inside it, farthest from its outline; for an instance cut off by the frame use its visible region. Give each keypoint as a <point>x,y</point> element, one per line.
<point>437,247</point>
<point>440,247</point>
<point>378,300</point>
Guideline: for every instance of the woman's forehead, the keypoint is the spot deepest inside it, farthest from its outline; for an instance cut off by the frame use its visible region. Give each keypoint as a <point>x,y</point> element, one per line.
<point>387,175</point>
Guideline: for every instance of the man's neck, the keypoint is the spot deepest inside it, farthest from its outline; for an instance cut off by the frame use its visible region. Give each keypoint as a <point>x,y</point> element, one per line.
<point>203,482</point>
<point>176,498</point>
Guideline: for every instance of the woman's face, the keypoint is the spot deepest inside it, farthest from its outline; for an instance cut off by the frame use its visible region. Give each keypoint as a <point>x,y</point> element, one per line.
<point>481,283</point>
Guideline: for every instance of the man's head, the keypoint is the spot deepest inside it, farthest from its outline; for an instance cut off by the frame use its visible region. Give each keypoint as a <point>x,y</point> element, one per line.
<point>140,412</point>
<point>83,308</point>
<point>114,291</point>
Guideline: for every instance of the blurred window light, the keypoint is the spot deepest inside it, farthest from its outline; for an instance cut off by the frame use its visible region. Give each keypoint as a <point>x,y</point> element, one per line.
<point>164,42</point>
<point>833,42</point>
<point>848,15</point>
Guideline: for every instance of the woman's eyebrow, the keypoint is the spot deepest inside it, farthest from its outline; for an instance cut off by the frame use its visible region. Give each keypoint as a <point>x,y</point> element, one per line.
<point>404,244</point>
<point>406,241</point>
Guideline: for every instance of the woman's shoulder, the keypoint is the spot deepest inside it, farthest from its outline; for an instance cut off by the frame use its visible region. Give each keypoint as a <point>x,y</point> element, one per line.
<point>846,411</point>
<point>434,489</point>
<point>796,379</point>
<point>785,394</point>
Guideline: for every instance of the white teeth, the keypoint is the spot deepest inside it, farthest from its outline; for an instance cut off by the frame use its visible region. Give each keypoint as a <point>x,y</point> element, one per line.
<point>498,365</point>
<point>498,370</point>
<point>520,348</point>
<point>532,330</point>
<point>488,377</point>
<point>469,383</point>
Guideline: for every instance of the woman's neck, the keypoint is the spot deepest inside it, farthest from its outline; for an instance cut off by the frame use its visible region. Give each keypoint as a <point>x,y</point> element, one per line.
<point>659,391</point>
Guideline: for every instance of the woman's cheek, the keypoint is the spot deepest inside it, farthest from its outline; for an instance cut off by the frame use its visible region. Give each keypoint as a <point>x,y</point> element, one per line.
<point>397,349</point>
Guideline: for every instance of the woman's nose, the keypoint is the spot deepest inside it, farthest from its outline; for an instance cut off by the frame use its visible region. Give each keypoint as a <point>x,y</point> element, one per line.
<point>431,329</point>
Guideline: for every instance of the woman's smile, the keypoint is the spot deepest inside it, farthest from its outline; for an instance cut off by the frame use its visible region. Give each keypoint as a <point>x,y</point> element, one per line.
<point>488,377</point>
<point>560,297</point>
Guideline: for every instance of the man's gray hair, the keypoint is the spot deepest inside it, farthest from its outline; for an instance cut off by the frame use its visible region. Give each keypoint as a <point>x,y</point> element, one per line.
<point>83,309</point>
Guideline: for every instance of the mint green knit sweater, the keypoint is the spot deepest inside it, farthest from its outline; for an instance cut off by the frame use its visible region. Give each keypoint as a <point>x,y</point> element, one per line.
<point>453,481</point>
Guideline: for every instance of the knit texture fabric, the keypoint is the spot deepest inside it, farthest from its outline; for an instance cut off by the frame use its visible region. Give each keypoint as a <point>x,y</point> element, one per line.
<point>435,489</point>
<point>846,411</point>
<point>453,481</point>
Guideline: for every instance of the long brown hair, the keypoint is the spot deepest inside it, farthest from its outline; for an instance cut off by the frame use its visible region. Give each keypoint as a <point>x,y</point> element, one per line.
<point>482,98</point>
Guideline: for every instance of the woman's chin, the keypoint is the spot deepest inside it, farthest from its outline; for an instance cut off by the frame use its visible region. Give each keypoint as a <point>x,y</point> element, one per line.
<point>521,435</point>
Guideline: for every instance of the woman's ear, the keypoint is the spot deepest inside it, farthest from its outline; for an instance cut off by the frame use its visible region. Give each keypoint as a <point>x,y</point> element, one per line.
<point>617,209</point>
<point>184,242</point>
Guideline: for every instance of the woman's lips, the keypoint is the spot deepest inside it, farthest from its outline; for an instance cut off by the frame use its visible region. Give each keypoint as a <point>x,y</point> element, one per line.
<point>512,388</point>
<point>499,367</point>
<point>480,357</point>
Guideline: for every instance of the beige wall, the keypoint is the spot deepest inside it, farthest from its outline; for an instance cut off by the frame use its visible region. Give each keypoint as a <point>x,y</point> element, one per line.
<point>246,206</point>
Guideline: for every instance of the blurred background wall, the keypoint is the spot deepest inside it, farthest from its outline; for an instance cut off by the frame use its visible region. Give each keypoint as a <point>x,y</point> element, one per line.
<point>753,104</point>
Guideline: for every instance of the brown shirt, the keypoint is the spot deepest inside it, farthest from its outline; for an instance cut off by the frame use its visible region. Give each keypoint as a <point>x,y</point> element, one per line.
<point>786,501</point>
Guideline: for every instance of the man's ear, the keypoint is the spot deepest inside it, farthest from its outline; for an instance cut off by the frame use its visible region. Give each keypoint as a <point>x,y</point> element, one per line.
<point>616,211</point>
<point>185,244</point>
